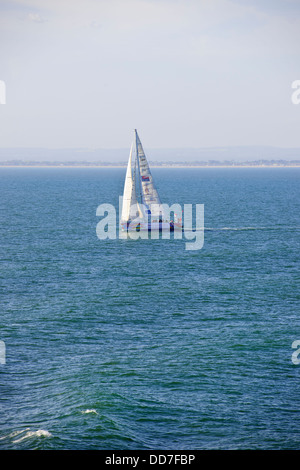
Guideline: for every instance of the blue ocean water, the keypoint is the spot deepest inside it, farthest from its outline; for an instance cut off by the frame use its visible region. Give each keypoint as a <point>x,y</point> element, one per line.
<point>142,344</point>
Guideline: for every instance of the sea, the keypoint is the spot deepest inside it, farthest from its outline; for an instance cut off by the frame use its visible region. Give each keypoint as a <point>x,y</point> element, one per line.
<point>140,344</point>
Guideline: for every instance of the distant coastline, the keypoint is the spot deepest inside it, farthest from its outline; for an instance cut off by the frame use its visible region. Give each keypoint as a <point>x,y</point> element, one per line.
<point>205,164</point>
<point>210,157</point>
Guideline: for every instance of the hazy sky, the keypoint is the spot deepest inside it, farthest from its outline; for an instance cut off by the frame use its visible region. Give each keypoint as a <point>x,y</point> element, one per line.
<point>185,73</point>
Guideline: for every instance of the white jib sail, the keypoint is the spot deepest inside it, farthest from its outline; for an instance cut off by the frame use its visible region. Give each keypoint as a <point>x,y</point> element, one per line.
<point>130,207</point>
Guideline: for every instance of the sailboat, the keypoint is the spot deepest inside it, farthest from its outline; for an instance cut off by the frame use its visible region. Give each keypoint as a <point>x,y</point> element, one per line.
<point>142,209</point>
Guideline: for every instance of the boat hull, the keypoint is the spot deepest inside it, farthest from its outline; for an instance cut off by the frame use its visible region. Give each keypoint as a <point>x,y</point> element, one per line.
<point>149,227</point>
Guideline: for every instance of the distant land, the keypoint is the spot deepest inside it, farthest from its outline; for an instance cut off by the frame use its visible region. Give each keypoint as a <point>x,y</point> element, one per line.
<point>251,156</point>
<point>209,164</point>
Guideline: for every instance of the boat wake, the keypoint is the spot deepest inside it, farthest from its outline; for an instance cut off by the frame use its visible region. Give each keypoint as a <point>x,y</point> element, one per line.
<point>237,229</point>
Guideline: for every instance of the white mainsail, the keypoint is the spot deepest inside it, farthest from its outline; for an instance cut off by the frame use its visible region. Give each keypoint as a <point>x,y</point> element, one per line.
<point>150,197</point>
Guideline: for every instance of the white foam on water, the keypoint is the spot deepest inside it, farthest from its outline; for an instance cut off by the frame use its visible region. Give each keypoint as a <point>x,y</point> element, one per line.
<point>89,411</point>
<point>30,434</point>
<point>13,434</point>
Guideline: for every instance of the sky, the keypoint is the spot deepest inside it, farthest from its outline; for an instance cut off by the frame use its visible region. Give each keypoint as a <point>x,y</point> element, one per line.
<point>185,73</point>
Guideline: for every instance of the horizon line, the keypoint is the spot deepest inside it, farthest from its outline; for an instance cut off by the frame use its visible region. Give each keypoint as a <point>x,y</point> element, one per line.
<point>93,148</point>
